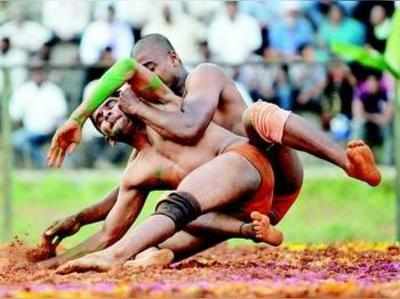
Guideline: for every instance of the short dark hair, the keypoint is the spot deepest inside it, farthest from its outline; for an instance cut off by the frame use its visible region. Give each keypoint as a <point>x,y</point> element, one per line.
<point>156,39</point>
<point>232,2</point>
<point>339,6</point>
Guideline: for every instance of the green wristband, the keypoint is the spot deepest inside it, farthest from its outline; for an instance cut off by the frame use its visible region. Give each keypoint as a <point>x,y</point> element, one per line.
<point>111,80</point>
<point>155,83</point>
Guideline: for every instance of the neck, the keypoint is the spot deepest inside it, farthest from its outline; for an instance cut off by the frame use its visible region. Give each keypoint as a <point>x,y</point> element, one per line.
<point>139,141</point>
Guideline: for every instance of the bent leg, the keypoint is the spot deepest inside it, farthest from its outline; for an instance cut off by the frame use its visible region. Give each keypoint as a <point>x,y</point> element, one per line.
<point>275,125</point>
<point>288,171</point>
<point>196,194</point>
<point>205,232</point>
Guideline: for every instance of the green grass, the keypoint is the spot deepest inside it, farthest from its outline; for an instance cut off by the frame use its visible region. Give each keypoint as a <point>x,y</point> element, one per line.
<point>330,208</point>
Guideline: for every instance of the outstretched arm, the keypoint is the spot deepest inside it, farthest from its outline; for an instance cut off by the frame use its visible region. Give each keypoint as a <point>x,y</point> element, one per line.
<point>118,221</point>
<point>131,196</point>
<point>185,125</point>
<point>69,226</point>
<point>142,81</point>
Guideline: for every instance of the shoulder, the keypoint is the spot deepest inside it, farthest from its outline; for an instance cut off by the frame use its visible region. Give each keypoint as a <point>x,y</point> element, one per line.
<point>205,71</point>
<point>247,19</point>
<point>53,88</point>
<point>142,168</point>
<point>26,89</point>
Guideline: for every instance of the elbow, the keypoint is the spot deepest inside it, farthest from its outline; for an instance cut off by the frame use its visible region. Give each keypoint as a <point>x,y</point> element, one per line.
<point>190,134</point>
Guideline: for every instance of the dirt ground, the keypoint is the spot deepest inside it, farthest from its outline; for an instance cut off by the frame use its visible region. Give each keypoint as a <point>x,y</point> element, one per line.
<point>346,270</point>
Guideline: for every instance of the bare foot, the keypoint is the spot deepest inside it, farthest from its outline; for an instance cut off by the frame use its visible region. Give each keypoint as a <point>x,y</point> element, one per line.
<point>153,257</point>
<point>264,231</point>
<point>144,253</point>
<point>91,262</point>
<point>361,163</point>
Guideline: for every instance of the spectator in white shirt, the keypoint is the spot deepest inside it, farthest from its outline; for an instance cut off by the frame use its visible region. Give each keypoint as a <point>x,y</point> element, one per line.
<point>40,106</point>
<point>182,30</point>
<point>107,36</point>
<point>233,36</point>
<point>204,10</point>
<point>66,19</point>
<point>15,58</point>
<point>24,34</point>
<point>135,13</point>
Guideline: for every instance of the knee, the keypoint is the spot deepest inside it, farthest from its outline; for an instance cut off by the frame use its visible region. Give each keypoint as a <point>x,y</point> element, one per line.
<point>181,207</point>
<point>267,119</point>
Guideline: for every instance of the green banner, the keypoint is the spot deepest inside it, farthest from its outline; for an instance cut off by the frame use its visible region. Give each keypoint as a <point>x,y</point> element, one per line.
<point>389,61</point>
<point>392,52</point>
<point>364,56</point>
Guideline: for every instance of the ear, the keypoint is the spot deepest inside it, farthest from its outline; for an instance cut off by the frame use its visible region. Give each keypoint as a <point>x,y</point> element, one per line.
<point>175,58</point>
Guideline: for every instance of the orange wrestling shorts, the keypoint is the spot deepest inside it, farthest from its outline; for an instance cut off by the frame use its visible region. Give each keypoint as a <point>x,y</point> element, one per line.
<point>261,201</point>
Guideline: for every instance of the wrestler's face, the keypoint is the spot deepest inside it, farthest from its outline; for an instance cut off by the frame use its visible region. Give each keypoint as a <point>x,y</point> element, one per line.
<point>166,64</point>
<point>112,122</point>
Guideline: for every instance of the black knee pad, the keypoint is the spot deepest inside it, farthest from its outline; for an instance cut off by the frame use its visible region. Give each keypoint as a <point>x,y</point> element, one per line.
<point>180,207</point>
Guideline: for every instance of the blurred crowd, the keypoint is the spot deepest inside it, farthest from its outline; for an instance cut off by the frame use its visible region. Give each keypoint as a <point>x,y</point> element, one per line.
<point>277,51</point>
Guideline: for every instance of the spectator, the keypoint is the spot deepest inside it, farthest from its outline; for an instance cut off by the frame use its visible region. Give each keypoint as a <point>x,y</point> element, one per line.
<point>204,11</point>
<point>308,80</point>
<point>106,38</point>
<point>337,100</point>
<point>233,36</point>
<point>362,11</point>
<point>38,124</point>
<point>372,111</point>
<point>264,81</point>
<point>340,28</point>
<point>24,34</point>
<point>318,10</point>
<point>66,23</point>
<point>135,13</point>
<point>291,31</point>
<point>380,26</point>
<point>13,57</point>
<point>185,33</point>
<point>266,12</point>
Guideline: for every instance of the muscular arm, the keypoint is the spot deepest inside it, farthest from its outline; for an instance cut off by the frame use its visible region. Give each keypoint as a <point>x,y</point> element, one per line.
<point>125,70</point>
<point>186,125</point>
<point>120,218</point>
<point>98,211</point>
<point>131,197</point>
<point>144,82</point>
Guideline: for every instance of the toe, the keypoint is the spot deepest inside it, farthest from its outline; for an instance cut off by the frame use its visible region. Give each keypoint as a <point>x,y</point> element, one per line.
<point>256,215</point>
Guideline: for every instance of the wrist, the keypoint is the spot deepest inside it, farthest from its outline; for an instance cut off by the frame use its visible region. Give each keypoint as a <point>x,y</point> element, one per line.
<point>79,117</point>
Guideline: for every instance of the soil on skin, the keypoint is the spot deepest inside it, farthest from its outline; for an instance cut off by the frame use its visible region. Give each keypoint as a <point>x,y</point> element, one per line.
<point>351,270</point>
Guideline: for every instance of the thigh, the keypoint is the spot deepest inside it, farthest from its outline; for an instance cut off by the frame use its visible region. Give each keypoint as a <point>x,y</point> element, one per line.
<point>221,181</point>
<point>287,168</point>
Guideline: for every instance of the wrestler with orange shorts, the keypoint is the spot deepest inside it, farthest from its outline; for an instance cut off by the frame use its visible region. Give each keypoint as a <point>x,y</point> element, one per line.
<point>207,94</point>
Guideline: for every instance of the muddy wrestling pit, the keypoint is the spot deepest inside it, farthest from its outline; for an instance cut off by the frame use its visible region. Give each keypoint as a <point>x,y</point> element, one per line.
<point>346,270</point>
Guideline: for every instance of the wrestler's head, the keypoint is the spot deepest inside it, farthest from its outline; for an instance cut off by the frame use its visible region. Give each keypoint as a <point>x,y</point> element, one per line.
<point>156,53</point>
<point>113,124</point>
